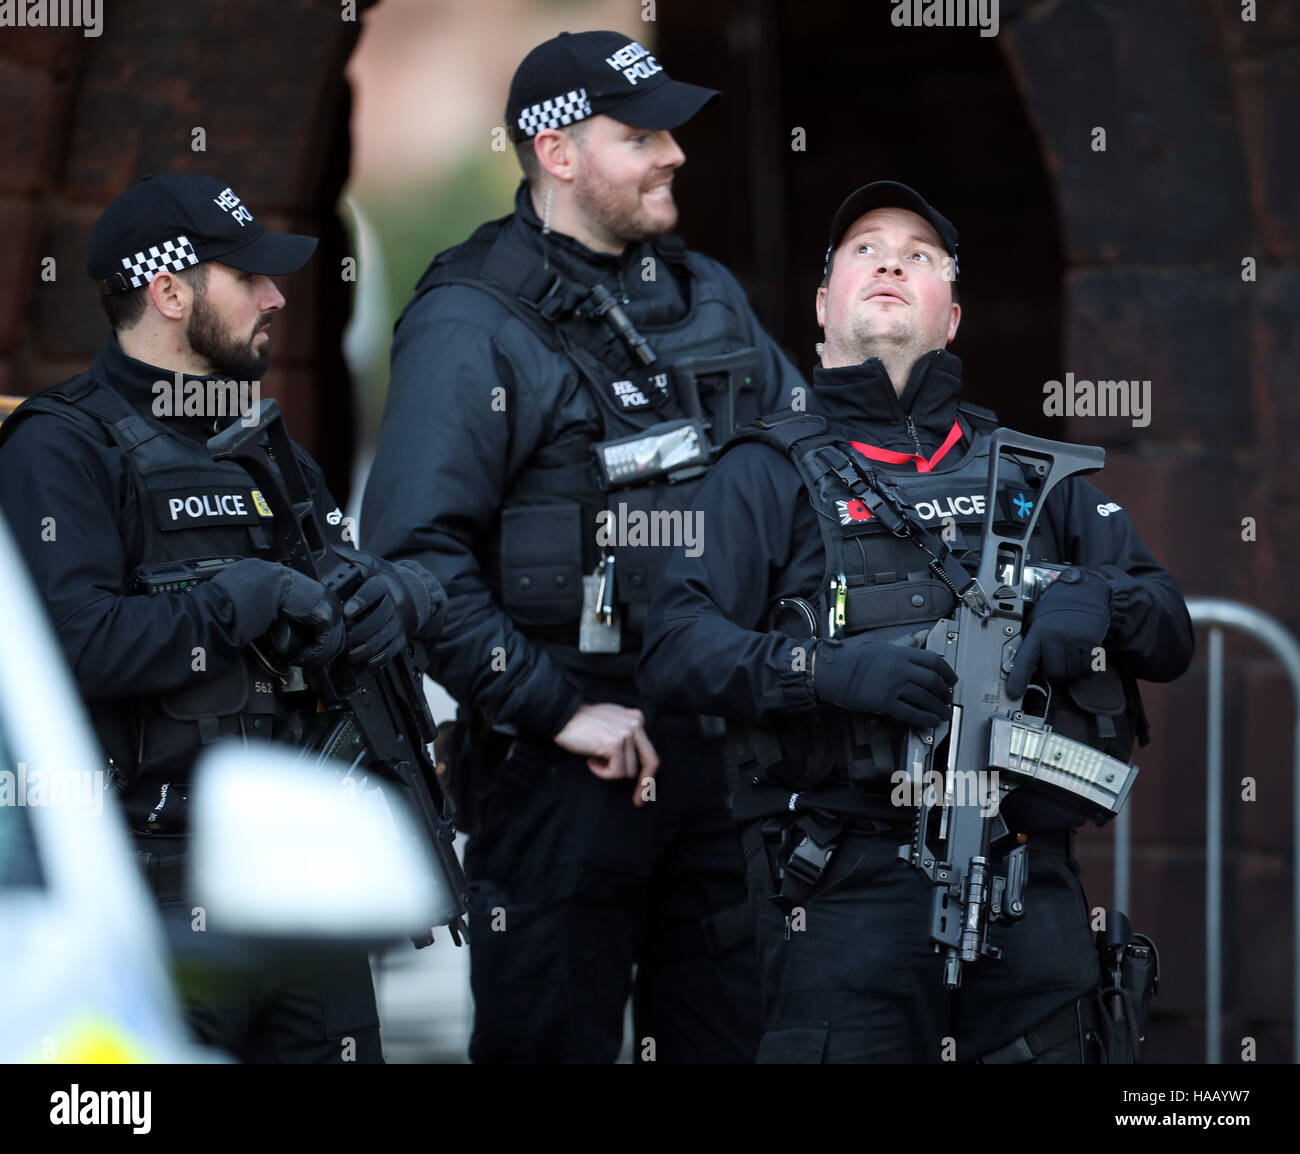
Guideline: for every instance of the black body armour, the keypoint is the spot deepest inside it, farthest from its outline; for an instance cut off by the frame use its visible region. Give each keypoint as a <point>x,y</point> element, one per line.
<point>877,583</point>
<point>192,507</point>
<point>564,516</point>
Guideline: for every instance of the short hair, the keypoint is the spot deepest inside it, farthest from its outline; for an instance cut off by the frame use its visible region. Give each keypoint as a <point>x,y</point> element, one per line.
<point>830,265</point>
<point>528,157</point>
<point>124,310</point>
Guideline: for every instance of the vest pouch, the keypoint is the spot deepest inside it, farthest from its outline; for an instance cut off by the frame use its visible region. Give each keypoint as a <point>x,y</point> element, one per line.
<point>541,564</point>
<point>206,696</point>
<point>909,602</point>
<point>810,750</point>
<point>1095,710</point>
<point>755,755</point>
<point>871,746</point>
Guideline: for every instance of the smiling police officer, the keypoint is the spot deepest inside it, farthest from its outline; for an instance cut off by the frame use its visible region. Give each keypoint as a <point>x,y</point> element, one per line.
<point>788,617</point>
<point>112,497</point>
<point>558,383</point>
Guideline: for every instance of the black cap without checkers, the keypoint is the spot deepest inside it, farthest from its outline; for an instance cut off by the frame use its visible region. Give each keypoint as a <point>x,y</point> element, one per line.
<point>890,194</point>
<point>581,74</point>
<point>169,223</point>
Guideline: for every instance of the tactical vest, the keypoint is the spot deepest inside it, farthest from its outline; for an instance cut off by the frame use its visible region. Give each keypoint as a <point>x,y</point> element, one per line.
<point>191,507</point>
<point>878,583</point>
<point>559,519</point>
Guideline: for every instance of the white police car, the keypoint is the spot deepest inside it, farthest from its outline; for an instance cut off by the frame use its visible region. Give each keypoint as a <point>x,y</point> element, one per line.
<point>83,957</point>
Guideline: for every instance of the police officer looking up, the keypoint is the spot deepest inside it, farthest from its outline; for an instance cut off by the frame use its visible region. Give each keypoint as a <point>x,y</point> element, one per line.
<point>112,495</point>
<point>551,377</point>
<point>784,626</point>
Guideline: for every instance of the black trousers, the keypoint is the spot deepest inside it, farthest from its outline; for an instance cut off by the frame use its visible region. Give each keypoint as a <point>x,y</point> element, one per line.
<point>285,1009</point>
<point>571,887</point>
<point>855,980</point>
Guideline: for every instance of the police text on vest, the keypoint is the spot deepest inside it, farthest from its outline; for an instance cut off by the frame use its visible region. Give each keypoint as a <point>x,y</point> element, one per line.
<point>207,505</point>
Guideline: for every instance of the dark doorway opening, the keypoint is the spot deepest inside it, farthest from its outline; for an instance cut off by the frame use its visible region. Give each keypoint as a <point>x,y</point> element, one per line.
<point>935,108</point>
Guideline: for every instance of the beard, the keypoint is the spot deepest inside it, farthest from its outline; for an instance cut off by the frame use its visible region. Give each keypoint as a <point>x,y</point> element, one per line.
<point>229,355</point>
<point>614,210</point>
<point>867,337</point>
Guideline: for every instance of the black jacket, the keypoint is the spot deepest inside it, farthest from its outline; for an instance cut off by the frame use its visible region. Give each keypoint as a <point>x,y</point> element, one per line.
<point>476,400</point>
<point>73,509</point>
<point>707,641</point>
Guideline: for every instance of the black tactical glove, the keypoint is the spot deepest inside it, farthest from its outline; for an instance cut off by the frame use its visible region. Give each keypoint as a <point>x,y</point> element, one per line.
<point>417,594</point>
<point>303,619</point>
<point>374,627</point>
<point>419,597</point>
<point>910,685</point>
<point>1066,624</point>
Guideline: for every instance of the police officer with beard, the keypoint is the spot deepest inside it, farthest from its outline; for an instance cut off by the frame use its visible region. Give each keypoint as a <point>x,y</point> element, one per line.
<point>788,617</point>
<point>557,383</point>
<point>108,485</point>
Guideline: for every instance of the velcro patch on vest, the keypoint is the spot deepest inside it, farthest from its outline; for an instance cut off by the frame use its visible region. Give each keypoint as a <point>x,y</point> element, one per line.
<point>209,505</point>
<point>940,510</point>
<point>951,507</point>
<point>630,394</point>
<point>931,512</point>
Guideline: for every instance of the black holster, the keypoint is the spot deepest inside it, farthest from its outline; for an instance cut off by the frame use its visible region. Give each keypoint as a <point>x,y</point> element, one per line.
<point>454,755</point>
<point>1130,975</point>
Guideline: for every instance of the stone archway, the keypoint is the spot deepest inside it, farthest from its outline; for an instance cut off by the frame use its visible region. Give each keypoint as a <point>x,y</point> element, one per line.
<point>82,118</point>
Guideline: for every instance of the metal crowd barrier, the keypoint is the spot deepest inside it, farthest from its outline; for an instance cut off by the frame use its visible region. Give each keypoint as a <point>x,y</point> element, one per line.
<point>1219,614</point>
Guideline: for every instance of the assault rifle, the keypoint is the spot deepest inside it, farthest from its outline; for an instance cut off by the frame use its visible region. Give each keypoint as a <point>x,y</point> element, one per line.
<point>989,731</point>
<point>379,718</point>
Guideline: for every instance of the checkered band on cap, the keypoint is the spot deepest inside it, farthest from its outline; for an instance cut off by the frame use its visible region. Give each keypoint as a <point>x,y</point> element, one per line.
<point>559,110</point>
<point>170,256</point>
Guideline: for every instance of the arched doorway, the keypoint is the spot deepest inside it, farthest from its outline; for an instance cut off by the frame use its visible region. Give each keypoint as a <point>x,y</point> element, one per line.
<point>934,107</point>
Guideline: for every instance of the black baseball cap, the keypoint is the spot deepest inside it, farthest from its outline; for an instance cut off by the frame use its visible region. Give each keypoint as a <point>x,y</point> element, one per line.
<point>890,194</point>
<point>582,74</point>
<point>168,223</point>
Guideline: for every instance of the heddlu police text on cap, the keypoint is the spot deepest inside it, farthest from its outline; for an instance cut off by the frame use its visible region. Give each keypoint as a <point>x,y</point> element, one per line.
<point>635,62</point>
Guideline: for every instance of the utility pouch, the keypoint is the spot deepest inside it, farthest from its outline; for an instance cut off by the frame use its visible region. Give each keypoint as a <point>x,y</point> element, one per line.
<point>1096,711</point>
<point>541,563</point>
